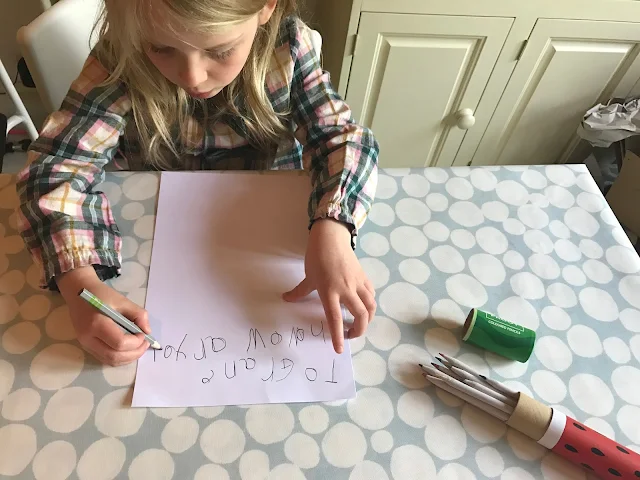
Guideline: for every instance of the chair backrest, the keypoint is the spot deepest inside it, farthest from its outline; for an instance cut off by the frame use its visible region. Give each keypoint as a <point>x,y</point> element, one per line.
<point>56,45</point>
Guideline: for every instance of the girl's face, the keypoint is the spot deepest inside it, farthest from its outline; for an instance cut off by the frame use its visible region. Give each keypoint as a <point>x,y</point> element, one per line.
<point>204,64</point>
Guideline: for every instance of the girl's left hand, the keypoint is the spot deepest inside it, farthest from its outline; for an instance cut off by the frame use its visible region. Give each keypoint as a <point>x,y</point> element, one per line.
<point>331,268</point>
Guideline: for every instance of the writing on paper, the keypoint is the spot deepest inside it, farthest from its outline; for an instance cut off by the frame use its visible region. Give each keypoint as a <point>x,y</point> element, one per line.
<point>262,361</point>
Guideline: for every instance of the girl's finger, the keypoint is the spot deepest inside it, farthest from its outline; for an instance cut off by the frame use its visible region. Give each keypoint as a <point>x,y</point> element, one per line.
<point>105,354</point>
<point>303,289</point>
<point>108,332</point>
<point>137,315</point>
<point>369,301</point>
<point>333,312</point>
<point>369,286</point>
<point>360,315</point>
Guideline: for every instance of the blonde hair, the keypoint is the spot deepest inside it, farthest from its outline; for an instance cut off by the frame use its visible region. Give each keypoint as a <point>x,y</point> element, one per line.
<point>159,106</point>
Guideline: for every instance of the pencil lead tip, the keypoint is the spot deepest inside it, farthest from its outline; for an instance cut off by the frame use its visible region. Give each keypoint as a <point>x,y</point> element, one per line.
<point>420,365</point>
<point>440,360</point>
<point>435,364</point>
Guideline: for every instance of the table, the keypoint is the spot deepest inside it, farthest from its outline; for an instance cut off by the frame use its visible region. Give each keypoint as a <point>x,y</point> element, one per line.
<point>538,246</point>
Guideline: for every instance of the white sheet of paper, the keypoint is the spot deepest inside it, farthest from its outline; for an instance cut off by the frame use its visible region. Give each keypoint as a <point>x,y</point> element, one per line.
<point>226,246</point>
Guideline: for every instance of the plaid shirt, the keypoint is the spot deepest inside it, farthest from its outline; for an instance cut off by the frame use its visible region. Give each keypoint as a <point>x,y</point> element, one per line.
<point>66,223</point>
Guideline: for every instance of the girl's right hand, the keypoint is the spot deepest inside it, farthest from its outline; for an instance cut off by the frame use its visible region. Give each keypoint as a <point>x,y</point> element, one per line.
<point>98,334</point>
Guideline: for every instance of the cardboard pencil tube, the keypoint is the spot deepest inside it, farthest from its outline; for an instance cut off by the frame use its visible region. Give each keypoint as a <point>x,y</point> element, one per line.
<point>530,417</point>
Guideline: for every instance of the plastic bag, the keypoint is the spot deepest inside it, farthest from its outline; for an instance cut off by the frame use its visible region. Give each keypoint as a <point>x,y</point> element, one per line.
<point>603,125</point>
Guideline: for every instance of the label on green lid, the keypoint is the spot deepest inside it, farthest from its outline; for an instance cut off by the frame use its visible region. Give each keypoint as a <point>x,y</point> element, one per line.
<point>497,335</point>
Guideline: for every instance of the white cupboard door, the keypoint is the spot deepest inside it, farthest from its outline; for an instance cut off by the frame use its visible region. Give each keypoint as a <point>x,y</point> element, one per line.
<point>416,80</point>
<point>567,67</point>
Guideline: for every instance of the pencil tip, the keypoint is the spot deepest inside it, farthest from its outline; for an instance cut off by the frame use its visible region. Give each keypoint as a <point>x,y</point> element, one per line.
<point>439,359</point>
<point>156,346</point>
<point>420,365</point>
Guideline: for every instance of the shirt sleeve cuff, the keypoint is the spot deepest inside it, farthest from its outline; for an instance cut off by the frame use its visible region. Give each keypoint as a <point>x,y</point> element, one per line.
<point>339,213</point>
<point>106,263</point>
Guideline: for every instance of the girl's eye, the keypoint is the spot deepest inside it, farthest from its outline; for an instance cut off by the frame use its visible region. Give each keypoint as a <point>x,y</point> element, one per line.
<point>160,50</point>
<point>221,55</point>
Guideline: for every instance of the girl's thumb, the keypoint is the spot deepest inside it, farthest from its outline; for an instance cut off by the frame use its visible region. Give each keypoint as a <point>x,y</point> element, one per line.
<point>137,315</point>
<point>303,289</point>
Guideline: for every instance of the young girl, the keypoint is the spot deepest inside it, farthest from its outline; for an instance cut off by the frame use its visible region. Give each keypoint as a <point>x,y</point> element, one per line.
<point>201,82</point>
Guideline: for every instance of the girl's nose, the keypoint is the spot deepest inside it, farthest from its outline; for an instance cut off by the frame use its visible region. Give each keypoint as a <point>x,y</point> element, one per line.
<point>193,73</point>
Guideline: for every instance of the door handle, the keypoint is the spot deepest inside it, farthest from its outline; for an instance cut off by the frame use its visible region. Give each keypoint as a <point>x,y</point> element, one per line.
<point>465,119</point>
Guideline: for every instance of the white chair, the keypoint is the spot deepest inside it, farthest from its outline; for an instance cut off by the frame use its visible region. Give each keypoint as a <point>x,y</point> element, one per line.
<point>55,46</point>
<point>21,115</point>
<point>316,40</point>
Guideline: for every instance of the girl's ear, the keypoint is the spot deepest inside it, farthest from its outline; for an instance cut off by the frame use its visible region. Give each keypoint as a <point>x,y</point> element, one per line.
<point>267,11</point>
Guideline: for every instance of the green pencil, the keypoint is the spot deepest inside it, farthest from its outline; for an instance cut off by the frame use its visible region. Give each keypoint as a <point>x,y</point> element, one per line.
<point>117,317</point>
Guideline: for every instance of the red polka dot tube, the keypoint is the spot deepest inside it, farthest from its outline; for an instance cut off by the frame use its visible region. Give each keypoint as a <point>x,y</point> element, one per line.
<point>594,452</point>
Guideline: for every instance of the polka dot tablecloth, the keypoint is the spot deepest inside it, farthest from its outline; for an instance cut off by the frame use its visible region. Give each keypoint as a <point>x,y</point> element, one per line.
<point>538,246</point>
